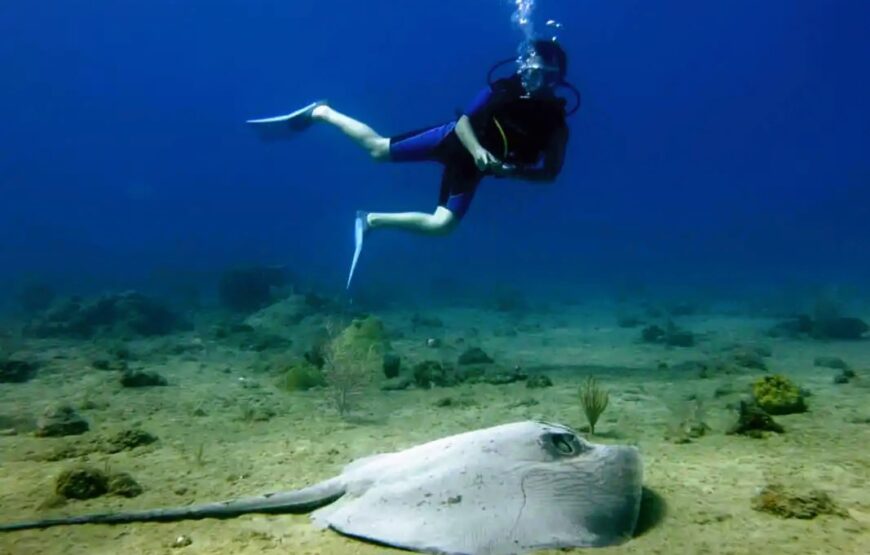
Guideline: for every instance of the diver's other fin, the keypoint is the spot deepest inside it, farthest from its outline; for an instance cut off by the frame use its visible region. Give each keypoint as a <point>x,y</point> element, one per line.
<point>286,126</point>
<point>361,227</point>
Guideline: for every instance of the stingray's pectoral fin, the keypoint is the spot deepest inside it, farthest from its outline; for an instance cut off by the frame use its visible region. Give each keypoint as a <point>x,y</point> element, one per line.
<point>299,501</point>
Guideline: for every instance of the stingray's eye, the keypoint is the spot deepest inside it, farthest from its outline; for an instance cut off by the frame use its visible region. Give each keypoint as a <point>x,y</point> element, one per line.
<point>564,443</point>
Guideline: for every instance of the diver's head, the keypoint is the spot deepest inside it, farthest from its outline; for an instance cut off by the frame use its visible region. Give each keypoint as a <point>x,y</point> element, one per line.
<point>544,66</point>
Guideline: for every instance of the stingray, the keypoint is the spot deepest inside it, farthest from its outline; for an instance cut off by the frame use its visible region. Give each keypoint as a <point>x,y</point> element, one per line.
<point>496,491</point>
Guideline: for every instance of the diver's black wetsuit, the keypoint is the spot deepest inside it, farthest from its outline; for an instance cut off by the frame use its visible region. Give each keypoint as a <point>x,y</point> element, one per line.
<point>528,132</point>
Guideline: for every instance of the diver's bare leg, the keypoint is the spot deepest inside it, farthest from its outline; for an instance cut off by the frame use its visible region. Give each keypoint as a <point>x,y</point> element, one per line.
<point>377,146</point>
<point>442,222</point>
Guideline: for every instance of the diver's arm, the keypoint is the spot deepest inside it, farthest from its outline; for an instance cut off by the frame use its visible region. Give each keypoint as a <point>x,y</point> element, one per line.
<point>478,110</point>
<point>466,135</point>
<point>483,158</point>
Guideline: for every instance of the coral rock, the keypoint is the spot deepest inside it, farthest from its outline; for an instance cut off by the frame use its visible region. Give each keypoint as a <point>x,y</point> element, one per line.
<point>128,439</point>
<point>302,376</point>
<point>142,379</point>
<point>539,381</point>
<point>474,355</point>
<point>752,421</point>
<point>774,499</point>
<point>16,371</point>
<point>124,313</point>
<point>778,395</point>
<point>82,483</point>
<point>124,485</point>
<point>249,289</point>
<point>61,420</point>
<point>392,365</point>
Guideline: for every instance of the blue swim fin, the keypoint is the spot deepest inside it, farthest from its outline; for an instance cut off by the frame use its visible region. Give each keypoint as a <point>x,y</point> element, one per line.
<point>286,126</point>
<point>361,227</point>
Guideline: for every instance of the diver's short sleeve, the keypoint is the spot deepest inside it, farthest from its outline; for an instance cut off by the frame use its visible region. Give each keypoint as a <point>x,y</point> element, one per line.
<point>489,100</point>
<point>479,103</point>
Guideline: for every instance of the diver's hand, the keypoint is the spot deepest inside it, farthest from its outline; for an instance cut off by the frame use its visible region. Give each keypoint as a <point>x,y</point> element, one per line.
<point>484,160</point>
<point>503,169</point>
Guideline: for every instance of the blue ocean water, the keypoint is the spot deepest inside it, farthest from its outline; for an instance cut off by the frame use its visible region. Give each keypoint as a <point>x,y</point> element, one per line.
<point>716,187</point>
<point>720,145</point>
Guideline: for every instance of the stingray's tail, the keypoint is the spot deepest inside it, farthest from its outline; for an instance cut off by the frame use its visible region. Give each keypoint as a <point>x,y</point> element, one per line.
<point>299,501</point>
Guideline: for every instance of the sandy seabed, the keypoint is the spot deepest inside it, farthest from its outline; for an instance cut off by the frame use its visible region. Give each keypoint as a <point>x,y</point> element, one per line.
<point>208,451</point>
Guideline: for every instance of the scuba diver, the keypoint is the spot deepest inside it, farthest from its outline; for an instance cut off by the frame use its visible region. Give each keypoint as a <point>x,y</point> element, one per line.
<point>514,128</point>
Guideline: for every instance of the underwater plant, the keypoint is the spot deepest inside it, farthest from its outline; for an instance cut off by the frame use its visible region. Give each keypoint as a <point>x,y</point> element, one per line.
<point>347,375</point>
<point>301,375</point>
<point>199,455</point>
<point>594,400</point>
<point>361,336</point>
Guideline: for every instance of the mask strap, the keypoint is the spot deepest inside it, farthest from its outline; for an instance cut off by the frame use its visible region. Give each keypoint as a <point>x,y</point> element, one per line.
<point>497,65</point>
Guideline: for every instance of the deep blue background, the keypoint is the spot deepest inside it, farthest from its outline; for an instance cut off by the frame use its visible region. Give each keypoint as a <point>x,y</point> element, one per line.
<point>720,143</point>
